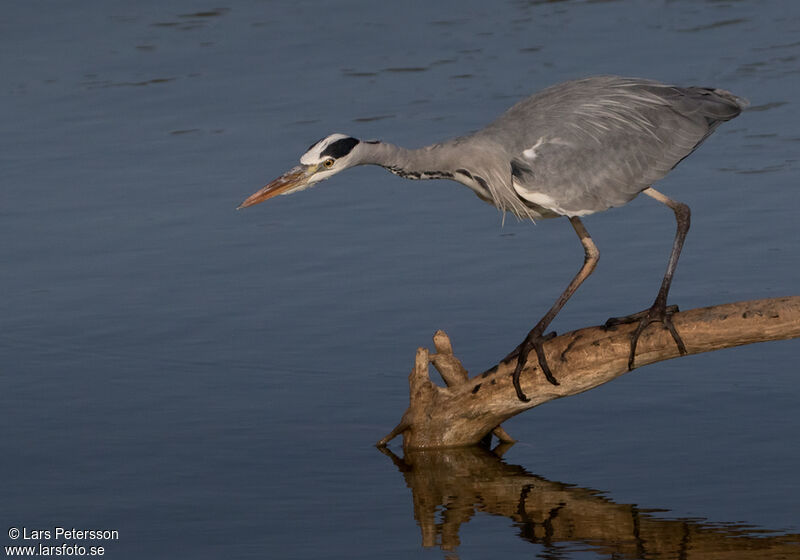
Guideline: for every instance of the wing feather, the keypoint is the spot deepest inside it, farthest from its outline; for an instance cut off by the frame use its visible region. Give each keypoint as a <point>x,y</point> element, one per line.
<point>596,143</point>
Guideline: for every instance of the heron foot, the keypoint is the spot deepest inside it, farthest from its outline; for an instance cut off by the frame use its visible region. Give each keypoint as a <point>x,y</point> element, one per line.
<point>534,341</point>
<point>659,313</point>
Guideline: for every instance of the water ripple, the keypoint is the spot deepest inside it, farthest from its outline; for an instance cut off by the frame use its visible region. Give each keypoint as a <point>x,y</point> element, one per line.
<point>713,25</point>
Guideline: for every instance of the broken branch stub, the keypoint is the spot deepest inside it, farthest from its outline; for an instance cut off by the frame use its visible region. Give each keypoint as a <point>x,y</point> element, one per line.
<point>467,409</point>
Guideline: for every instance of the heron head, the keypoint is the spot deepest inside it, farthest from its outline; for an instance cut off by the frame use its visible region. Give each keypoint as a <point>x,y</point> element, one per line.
<point>324,158</point>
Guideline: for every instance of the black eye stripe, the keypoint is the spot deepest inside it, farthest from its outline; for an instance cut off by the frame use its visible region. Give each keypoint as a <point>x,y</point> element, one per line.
<point>340,148</point>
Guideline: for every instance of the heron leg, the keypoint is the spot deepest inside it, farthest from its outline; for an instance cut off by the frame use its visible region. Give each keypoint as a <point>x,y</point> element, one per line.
<point>659,311</point>
<point>536,337</point>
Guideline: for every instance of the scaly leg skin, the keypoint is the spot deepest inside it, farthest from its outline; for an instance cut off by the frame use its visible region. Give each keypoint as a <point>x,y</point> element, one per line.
<point>659,312</point>
<point>535,338</point>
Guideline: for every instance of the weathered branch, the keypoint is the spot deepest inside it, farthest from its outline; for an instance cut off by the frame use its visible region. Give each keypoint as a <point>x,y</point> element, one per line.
<point>468,409</point>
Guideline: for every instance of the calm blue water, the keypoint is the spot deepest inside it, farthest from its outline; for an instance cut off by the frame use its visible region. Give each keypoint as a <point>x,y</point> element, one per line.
<point>209,383</point>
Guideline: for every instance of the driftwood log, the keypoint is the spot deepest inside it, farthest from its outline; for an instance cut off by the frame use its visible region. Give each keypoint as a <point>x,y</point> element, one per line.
<point>469,409</point>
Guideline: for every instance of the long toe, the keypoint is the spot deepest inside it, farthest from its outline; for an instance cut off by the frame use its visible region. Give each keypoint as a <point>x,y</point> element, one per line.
<point>543,365</point>
<point>641,315</point>
<point>534,342</point>
<point>517,371</point>
<point>656,314</point>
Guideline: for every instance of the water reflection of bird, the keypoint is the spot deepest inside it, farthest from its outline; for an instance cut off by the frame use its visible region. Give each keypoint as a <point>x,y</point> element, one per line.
<point>571,150</point>
<point>452,487</point>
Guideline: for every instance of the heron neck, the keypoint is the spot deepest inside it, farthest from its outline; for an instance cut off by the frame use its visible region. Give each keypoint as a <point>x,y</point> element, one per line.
<point>430,162</point>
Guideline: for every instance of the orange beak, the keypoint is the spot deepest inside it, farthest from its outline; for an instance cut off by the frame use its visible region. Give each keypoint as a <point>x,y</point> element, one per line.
<point>295,178</point>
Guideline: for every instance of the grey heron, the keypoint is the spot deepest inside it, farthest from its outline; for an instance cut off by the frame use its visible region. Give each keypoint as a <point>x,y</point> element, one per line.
<point>573,149</point>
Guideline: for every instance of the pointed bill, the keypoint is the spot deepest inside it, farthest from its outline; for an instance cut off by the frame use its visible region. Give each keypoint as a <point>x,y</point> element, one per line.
<point>295,178</point>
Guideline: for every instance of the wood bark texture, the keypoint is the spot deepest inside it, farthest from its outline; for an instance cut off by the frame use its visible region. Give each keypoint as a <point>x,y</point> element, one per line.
<point>468,409</point>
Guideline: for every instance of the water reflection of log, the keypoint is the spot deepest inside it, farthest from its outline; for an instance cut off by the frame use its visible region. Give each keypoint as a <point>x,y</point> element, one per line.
<point>451,486</point>
<point>469,408</point>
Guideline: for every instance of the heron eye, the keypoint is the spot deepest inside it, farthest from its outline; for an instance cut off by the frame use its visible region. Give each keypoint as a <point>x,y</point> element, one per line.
<point>328,163</point>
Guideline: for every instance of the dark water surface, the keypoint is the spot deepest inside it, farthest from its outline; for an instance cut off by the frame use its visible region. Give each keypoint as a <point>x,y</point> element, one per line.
<point>209,383</point>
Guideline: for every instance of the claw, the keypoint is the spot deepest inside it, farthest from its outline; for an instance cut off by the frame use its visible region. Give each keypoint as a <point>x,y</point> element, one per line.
<point>533,342</point>
<point>658,313</point>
